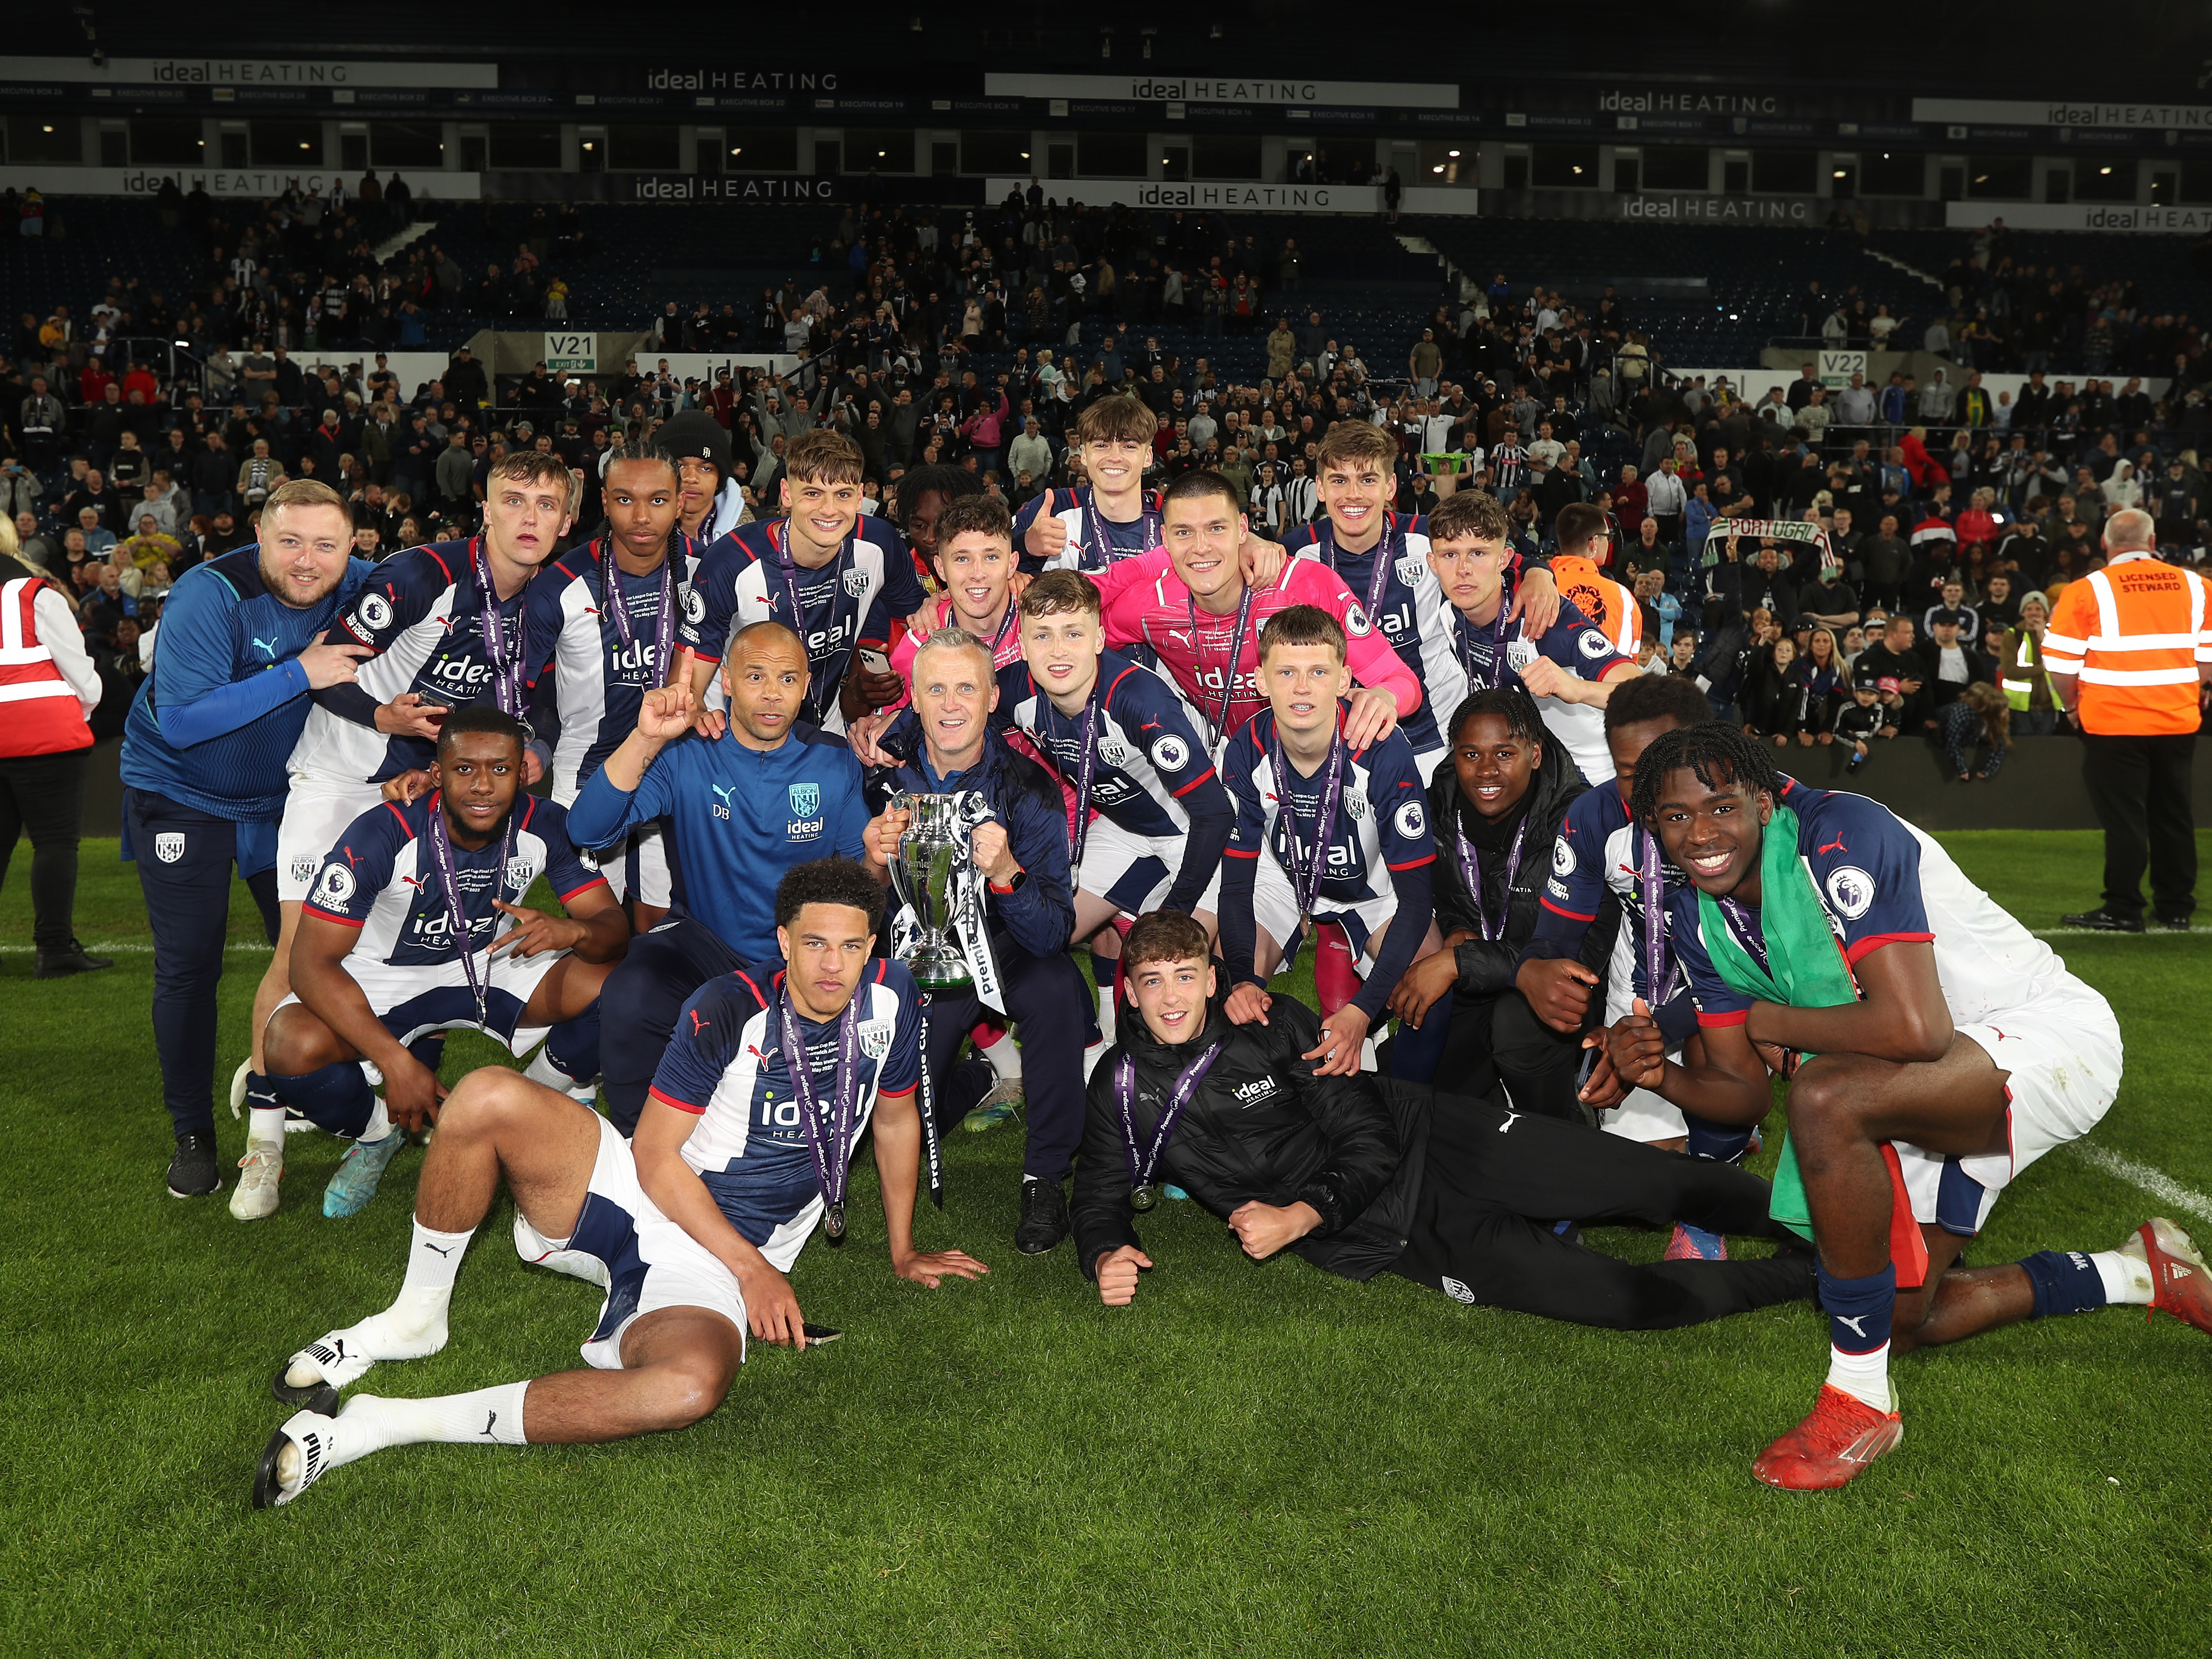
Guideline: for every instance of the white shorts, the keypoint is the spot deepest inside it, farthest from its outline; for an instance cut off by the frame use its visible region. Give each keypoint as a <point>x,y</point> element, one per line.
<point>316,813</point>
<point>1135,872</point>
<point>1644,1116</point>
<point>412,1002</point>
<point>1275,910</point>
<point>642,1260</point>
<point>2063,1054</point>
<point>636,866</point>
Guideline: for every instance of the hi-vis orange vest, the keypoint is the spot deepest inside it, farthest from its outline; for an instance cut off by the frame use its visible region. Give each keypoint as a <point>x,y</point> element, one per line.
<point>38,711</point>
<point>1610,607</point>
<point>2134,633</point>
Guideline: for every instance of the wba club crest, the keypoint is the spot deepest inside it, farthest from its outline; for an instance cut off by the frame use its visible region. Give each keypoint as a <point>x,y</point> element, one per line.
<point>1409,569</point>
<point>856,584</point>
<point>875,1037</point>
<point>1114,752</point>
<point>805,799</point>
<point>521,872</point>
<point>169,845</point>
<point>1520,654</point>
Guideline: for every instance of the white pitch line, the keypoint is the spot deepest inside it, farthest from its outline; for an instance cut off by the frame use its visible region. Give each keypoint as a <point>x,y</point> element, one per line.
<point>2107,932</point>
<point>126,947</point>
<point>2159,1184</point>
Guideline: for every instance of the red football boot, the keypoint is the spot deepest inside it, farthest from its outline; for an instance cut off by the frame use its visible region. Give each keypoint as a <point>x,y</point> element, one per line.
<point>2181,1283</point>
<point>1841,1436</point>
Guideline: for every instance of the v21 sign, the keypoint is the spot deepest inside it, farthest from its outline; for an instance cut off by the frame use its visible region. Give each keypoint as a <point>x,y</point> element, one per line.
<point>577,354</point>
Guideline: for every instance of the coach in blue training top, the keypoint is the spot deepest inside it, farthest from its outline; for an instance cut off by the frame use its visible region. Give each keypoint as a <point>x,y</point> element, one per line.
<point>744,805</point>
<point>203,770</point>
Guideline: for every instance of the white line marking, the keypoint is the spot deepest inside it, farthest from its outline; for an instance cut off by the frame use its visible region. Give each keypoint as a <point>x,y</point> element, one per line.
<point>2108,933</point>
<point>100,947</point>
<point>2159,1184</point>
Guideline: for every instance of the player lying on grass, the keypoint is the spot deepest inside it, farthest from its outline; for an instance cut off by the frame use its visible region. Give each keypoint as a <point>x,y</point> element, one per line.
<point>689,1229</point>
<point>1948,1050</point>
<point>1358,1173</point>
<point>381,970</point>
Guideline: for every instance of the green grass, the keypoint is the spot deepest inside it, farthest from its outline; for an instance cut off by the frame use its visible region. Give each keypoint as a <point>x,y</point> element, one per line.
<point>1253,1460</point>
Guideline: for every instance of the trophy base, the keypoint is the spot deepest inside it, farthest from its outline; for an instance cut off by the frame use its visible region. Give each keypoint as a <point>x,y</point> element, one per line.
<point>941,970</point>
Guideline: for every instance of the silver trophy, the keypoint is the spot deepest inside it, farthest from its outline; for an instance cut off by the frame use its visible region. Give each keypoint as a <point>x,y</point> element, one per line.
<point>935,877</point>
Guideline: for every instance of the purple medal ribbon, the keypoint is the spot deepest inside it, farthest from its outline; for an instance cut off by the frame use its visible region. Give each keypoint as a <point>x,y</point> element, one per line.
<point>1078,828</point>
<point>831,1164</point>
<point>1748,932</point>
<point>788,570</point>
<point>1470,868</point>
<point>506,666</point>
<point>1143,1164</point>
<point>449,884</point>
<point>1099,541</point>
<point>1387,551</point>
<point>1462,630</point>
<point>1219,723</point>
<point>1305,885</point>
<point>618,607</point>
<point>1655,921</point>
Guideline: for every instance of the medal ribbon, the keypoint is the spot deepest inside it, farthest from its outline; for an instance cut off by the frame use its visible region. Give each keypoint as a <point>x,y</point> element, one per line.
<point>449,884</point>
<point>1141,1164</point>
<point>831,1164</point>
<point>1655,921</point>
<point>1097,541</point>
<point>780,546</point>
<point>506,666</point>
<point>1220,721</point>
<point>664,626</point>
<point>1388,551</point>
<point>1470,868</point>
<point>1748,933</point>
<point>1305,885</point>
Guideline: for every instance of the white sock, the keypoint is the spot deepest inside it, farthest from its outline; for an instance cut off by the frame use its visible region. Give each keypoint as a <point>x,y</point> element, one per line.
<point>1106,1012</point>
<point>1005,1058</point>
<point>369,1422</point>
<point>379,1122</point>
<point>414,1326</point>
<point>1864,1376</point>
<point>264,1126</point>
<point>2127,1281</point>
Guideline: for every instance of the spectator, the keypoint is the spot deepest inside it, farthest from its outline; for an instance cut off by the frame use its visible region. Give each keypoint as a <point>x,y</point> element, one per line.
<point>1978,715</point>
<point>1950,663</point>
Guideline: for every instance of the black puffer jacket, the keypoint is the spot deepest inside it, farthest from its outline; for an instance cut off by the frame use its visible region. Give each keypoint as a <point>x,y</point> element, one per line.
<point>1487,966</point>
<point>1262,1127</point>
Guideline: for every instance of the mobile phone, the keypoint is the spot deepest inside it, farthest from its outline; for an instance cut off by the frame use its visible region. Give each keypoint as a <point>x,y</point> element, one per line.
<point>874,661</point>
<point>816,1334</point>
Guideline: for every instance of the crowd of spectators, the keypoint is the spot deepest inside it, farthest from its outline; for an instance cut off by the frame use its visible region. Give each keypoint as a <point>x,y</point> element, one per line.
<point>1945,532</point>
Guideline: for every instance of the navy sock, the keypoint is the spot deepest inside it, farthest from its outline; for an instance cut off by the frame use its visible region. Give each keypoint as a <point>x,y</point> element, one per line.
<point>430,1050</point>
<point>1414,1055</point>
<point>2065,1282</point>
<point>1716,1141</point>
<point>335,1097</point>
<point>572,1046</point>
<point>1859,1310</point>
<point>1101,970</point>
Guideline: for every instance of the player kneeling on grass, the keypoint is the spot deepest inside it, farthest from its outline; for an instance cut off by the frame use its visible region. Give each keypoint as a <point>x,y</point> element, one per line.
<point>381,967</point>
<point>1359,1173</point>
<point>1947,1049</point>
<point>689,1228</point>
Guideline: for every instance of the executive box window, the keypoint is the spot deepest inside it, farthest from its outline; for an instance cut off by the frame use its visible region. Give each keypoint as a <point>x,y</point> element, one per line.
<point>890,151</point>
<point>2104,181</point>
<point>760,149</point>
<point>414,144</point>
<point>286,144</point>
<point>644,149</point>
<point>1110,154</point>
<point>167,143</point>
<point>1784,172</point>
<point>1004,154</point>
<point>1675,166</point>
<point>1892,172</point>
<point>1225,156</point>
<point>2001,178</point>
<point>1566,166</point>
<point>526,146</point>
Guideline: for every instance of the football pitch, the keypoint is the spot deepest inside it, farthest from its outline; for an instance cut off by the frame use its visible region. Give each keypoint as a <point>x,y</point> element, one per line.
<point>1252,1460</point>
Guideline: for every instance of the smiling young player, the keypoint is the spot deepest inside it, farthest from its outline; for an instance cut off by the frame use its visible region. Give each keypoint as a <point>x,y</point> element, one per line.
<point>836,577</point>
<point>1948,1048</point>
<point>689,1230</point>
<point>445,624</point>
<point>1330,830</point>
<point>1111,517</point>
<point>1570,667</point>
<point>1196,605</point>
<point>600,630</point>
<point>415,927</point>
<point>1359,1174</point>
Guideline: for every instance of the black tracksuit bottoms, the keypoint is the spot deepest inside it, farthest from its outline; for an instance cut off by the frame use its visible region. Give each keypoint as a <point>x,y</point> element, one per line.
<point>1497,1182</point>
